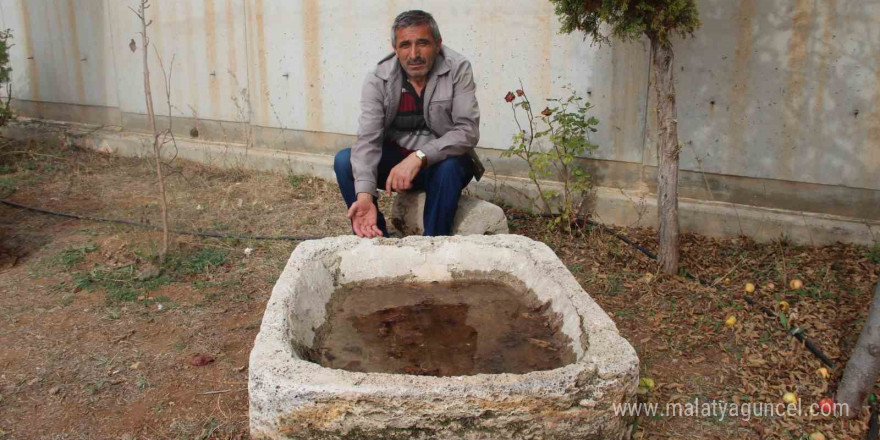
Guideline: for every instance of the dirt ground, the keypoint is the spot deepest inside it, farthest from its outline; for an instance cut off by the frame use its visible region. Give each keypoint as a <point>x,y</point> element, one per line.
<point>101,341</point>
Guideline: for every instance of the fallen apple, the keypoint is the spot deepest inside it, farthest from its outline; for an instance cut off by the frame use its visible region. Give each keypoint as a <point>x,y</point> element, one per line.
<point>826,405</point>
<point>796,284</point>
<point>200,360</point>
<point>783,305</point>
<point>771,286</point>
<point>817,436</point>
<point>730,321</point>
<point>750,287</point>
<point>824,373</point>
<point>789,398</point>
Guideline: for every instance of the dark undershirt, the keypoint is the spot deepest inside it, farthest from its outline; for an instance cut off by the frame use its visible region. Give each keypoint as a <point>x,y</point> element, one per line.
<point>409,130</point>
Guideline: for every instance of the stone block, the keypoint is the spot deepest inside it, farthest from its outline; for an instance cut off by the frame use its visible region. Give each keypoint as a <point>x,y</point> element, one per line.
<point>474,216</point>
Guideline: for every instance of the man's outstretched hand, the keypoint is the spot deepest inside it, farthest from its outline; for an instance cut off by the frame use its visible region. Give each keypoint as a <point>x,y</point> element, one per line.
<point>363,214</point>
<point>401,176</point>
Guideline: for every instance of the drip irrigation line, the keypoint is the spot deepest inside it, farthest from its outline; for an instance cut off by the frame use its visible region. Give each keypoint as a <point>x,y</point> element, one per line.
<point>158,228</point>
<point>619,236</point>
<point>581,222</point>
<point>797,333</point>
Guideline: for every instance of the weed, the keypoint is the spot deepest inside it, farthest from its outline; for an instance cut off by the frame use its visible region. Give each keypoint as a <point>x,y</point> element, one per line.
<point>873,254</point>
<point>179,346</point>
<point>200,262</point>
<point>82,280</point>
<point>613,285</point>
<point>6,168</point>
<point>96,387</point>
<point>8,185</point>
<point>120,284</point>
<point>142,382</point>
<point>783,319</point>
<point>72,256</point>
<point>113,313</point>
<point>295,181</point>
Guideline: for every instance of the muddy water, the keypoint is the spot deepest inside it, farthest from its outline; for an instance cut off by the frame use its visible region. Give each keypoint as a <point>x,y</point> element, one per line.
<point>440,329</point>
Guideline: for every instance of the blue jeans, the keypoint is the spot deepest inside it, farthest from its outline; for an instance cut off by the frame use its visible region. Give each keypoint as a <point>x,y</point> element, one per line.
<point>442,183</point>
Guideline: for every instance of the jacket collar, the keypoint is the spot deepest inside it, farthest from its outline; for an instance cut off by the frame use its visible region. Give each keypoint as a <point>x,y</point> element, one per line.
<point>389,66</point>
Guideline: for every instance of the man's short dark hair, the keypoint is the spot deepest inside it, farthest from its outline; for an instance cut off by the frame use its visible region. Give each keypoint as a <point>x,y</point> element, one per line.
<point>414,18</point>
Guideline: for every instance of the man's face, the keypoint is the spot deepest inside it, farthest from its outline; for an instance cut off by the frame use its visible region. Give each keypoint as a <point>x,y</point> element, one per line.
<point>416,50</point>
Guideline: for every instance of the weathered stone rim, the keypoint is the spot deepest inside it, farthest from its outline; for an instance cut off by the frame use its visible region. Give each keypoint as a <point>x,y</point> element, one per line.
<point>271,335</point>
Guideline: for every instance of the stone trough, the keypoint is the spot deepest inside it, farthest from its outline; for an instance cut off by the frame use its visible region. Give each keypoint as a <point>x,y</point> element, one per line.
<point>294,396</point>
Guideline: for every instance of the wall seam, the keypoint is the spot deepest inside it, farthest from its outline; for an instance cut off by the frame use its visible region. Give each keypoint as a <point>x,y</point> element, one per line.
<point>247,60</point>
<point>108,15</point>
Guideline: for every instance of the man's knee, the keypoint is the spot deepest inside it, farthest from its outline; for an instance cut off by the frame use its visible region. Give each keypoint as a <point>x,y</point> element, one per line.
<point>342,163</point>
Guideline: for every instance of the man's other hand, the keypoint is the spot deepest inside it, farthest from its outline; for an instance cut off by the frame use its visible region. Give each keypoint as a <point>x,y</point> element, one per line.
<point>401,176</point>
<point>363,215</point>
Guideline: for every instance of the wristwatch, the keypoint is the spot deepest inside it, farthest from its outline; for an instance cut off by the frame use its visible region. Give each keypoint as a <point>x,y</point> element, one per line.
<point>422,157</point>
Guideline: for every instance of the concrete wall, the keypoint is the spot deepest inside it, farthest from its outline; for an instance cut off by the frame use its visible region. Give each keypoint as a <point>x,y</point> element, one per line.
<point>779,100</point>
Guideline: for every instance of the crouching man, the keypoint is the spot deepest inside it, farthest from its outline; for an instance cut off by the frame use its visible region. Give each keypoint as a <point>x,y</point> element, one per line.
<point>418,128</point>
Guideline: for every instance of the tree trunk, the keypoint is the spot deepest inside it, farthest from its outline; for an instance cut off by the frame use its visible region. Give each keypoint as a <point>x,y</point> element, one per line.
<point>864,364</point>
<point>151,114</point>
<point>667,198</point>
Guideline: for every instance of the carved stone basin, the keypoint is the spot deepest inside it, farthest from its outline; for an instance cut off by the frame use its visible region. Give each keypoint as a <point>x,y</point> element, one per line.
<point>407,388</point>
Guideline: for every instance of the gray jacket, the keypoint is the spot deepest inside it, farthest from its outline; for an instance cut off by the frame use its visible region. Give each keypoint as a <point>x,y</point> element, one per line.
<point>451,112</point>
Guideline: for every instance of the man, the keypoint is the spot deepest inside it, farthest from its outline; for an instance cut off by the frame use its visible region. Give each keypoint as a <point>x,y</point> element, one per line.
<point>418,128</point>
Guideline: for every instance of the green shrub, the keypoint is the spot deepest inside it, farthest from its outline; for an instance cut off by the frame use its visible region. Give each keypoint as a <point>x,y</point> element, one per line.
<point>550,143</point>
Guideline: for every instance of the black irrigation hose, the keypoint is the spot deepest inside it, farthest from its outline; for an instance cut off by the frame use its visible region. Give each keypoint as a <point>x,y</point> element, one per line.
<point>154,227</point>
<point>580,222</point>
<point>797,333</point>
